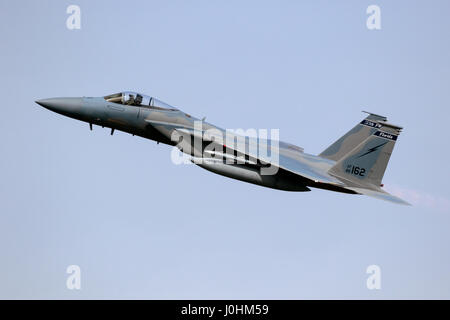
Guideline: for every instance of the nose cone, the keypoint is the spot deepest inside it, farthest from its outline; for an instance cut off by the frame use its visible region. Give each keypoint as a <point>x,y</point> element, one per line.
<point>65,106</point>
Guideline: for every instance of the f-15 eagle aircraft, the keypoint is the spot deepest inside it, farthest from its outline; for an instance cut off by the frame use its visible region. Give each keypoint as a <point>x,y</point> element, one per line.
<point>354,164</point>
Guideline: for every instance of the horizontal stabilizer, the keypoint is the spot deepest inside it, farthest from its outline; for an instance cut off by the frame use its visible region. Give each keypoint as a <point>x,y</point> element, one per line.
<point>379,194</point>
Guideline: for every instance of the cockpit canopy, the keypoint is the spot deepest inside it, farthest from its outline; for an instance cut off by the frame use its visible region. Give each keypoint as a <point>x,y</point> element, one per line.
<point>136,99</point>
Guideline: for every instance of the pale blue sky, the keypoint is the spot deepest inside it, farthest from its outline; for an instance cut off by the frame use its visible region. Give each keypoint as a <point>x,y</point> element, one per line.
<point>141,227</point>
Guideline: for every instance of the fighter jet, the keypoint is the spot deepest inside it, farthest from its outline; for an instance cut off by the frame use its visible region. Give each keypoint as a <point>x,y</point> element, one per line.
<point>354,164</point>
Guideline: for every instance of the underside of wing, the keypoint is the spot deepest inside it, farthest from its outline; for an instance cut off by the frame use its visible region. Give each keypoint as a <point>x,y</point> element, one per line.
<point>308,169</point>
<point>274,157</point>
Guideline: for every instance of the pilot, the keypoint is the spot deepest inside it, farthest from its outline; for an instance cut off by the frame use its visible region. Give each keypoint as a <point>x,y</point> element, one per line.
<point>138,101</point>
<point>130,100</point>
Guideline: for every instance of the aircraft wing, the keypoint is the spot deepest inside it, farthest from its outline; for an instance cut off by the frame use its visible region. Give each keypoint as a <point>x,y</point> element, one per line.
<point>288,159</point>
<point>295,161</point>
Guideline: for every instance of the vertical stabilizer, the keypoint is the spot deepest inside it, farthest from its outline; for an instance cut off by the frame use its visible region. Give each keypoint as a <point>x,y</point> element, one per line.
<point>354,137</point>
<point>365,164</point>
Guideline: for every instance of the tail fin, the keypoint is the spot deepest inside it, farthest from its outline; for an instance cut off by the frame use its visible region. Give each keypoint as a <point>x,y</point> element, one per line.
<point>365,165</point>
<point>354,137</point>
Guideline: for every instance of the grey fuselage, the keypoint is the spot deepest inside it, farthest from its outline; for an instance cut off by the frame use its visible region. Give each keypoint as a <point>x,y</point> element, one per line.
<point>158,124</point>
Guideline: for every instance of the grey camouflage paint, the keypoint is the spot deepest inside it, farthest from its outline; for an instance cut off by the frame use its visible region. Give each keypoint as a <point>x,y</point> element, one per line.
<point>296,170</point>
